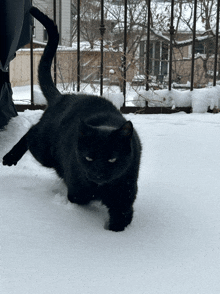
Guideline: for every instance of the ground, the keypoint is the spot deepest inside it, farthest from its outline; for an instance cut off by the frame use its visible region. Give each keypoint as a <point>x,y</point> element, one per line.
<point>172,246</point>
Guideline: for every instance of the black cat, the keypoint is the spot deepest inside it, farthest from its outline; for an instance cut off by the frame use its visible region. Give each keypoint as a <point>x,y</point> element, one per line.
<point>86,140</point>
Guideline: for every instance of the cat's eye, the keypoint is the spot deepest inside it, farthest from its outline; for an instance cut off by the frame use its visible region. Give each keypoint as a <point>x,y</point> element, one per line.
<point>89,158</point>
<point>112,160</point>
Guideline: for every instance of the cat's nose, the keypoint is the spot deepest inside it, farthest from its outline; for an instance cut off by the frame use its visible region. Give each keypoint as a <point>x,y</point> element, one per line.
<point>100,176</point>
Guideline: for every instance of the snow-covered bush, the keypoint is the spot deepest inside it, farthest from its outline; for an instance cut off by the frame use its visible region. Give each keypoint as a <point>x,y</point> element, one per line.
<point>116,98</point>
<point>202,99</point>
<point>199,99</point>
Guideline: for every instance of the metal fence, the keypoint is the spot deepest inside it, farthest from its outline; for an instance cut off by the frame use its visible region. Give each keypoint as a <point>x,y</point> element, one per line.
<point>147,55</point>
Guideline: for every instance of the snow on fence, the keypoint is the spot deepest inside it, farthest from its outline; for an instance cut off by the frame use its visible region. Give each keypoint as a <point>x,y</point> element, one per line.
<point>199,100</point>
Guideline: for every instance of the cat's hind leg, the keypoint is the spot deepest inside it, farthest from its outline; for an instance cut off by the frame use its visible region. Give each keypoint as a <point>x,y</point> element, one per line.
<point>16,153</point>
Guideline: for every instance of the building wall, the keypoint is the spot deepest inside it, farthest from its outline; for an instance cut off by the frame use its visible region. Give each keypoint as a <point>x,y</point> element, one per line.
<point>182,69</point>
<point>63,19</point>
<point>46,7</point>
<point>90,68</point>
<point>20,70</point>
<point>66,22</point>
<point>67,67</point>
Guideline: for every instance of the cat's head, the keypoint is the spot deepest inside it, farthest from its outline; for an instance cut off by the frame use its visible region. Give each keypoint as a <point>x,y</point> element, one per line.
<point>104,152</point>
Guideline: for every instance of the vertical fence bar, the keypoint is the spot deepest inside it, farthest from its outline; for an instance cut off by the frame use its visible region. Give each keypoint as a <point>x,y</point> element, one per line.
<point>171,45</point>
<point>102,31</point>
<point>60,20</point>
<point>148,47</point>
<point>78,45</point>
<point>124,50</point>
<point>55,56</point>
<point>32,67</point>
<point>193,45</point>
<point>216,45</point>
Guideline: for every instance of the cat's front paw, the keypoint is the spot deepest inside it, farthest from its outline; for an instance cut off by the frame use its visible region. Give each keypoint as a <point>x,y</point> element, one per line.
<point>115,227</point>
<point>10,159</point>
<point>119,220</point>
<point>79,199</point>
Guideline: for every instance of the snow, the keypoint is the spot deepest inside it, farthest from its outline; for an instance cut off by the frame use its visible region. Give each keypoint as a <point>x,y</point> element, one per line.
<point>21,95</point>
<point>116,98</point>
<point>199,99</point>
<point>86,46</point>
<point>172,246</point>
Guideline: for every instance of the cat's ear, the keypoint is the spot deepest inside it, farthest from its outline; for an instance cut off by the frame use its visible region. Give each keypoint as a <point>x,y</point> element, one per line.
<point>126,130</point>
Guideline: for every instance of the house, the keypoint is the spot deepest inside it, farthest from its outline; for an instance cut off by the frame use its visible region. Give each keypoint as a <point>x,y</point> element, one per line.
<point>183,23</point>
<point>63,20</point>
<point>182,58</point>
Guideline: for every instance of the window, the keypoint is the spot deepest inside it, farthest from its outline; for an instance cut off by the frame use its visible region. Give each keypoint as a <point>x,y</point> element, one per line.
<point>199,48</point>
<point>34,28</point>
<point>206,47</point>
<point>158,58</point>
<point>45,35</point>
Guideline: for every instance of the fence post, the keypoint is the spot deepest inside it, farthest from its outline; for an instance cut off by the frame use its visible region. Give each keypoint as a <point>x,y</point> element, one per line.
<point>32,67</point>
<point>193,45</point>
<point>148,47</point>
<point>78,45</point>
<point>124,51</point>
<point>172,30</point>
<point>102,31</point>
<point>55,56</point>
<point>216,45</point>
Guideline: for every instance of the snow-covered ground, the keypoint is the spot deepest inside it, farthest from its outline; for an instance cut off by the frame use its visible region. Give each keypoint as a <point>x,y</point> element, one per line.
<point>172,246</point>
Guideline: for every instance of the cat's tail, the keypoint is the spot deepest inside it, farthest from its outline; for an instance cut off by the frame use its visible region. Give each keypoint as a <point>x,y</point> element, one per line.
<point>44,70</point>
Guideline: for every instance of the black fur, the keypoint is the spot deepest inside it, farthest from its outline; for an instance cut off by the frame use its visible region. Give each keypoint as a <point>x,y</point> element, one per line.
<point>86,140</point>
